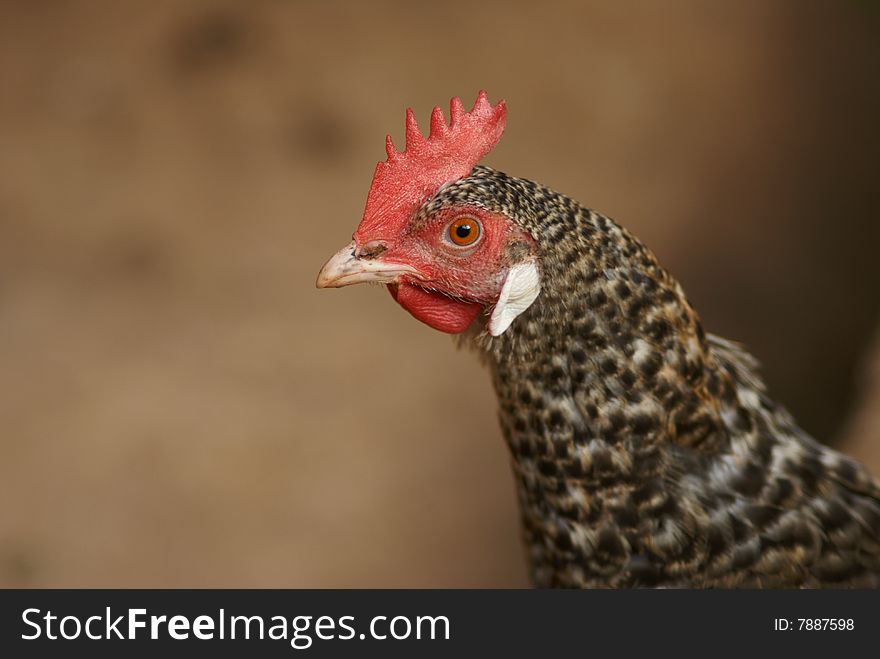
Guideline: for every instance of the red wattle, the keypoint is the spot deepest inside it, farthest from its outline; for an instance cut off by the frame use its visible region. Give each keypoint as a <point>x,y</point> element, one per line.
<point>435,309</point>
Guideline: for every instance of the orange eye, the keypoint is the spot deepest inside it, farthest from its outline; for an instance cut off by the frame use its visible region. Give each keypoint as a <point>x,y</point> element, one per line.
<point>464,231</point>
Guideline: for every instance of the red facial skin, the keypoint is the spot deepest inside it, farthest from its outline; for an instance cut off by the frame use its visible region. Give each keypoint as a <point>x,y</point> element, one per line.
<point>454,283</point>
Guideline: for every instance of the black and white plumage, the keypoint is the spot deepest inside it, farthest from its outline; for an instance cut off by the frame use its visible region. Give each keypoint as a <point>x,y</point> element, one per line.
<point>646,452</point>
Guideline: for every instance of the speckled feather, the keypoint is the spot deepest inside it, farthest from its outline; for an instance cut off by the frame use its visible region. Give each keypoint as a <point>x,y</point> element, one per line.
<point>647,453</point>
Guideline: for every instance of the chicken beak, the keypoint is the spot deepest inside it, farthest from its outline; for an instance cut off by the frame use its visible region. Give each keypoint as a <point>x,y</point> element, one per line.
<point>346,267</point>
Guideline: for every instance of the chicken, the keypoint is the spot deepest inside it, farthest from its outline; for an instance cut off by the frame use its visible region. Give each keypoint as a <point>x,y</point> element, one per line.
<point>646,452</point>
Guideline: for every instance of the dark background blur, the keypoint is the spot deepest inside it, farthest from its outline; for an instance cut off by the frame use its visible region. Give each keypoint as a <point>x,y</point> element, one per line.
<point>180,407</point>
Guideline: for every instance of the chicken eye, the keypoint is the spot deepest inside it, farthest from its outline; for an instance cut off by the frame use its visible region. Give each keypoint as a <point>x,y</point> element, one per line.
<point>464,231</point>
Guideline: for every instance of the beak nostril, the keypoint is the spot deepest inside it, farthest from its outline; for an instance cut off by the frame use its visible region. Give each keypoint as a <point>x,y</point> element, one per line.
<point>346,267</point>
<point>370,250</point>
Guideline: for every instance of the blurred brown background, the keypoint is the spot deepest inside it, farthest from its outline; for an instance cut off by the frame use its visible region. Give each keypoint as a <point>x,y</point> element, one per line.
<point>180,407</point>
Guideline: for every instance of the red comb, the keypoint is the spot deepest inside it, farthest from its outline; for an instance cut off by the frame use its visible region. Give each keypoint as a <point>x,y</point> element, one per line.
<point>405,180</point>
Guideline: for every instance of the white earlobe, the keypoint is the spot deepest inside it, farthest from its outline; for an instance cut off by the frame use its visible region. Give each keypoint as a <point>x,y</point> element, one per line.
<point>521,287</point>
